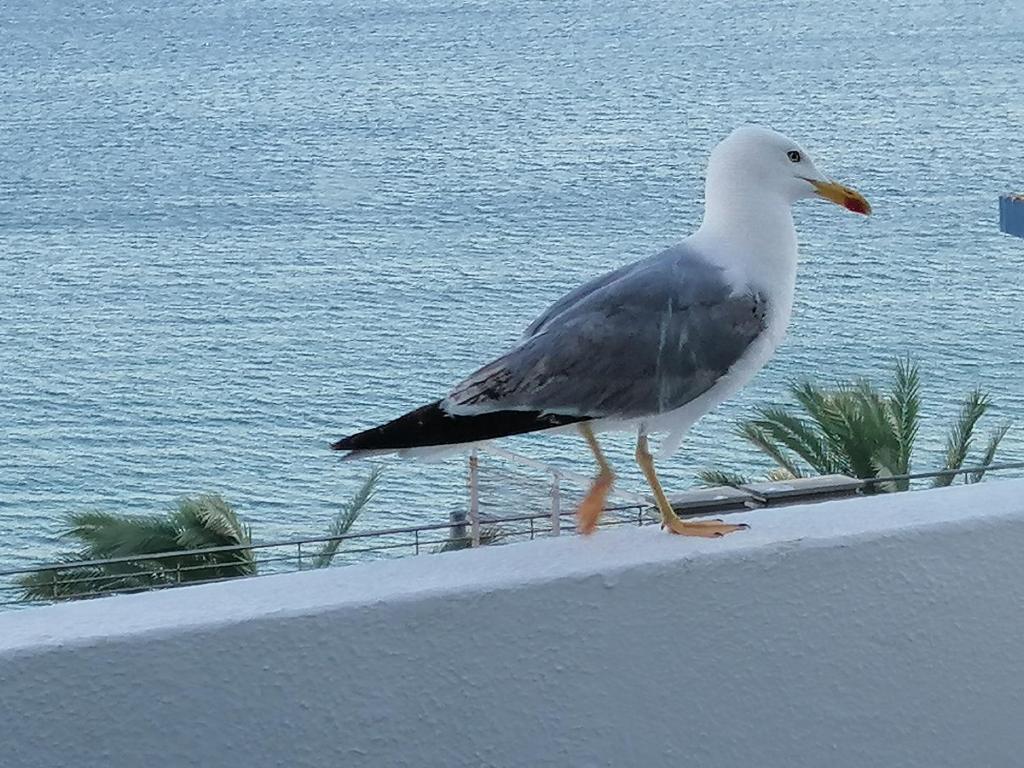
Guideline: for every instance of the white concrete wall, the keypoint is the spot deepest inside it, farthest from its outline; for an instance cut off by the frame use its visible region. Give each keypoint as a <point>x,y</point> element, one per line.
<point>870,632</point>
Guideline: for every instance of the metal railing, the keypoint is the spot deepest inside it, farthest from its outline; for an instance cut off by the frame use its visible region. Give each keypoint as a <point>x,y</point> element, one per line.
<point>85,579</point>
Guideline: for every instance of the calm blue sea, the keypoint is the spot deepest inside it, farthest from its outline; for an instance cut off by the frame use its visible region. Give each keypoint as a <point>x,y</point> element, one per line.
<point>232,232</point>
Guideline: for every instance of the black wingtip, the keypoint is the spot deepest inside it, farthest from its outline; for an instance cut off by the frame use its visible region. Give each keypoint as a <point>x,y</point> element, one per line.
<point>430,426</point>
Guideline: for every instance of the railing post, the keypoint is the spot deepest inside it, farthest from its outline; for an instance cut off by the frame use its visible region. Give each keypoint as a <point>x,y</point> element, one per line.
<point>474,498</point>
<point>556,504</point>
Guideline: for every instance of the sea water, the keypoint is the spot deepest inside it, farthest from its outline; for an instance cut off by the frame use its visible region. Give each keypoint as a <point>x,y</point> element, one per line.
<point>233,232</point>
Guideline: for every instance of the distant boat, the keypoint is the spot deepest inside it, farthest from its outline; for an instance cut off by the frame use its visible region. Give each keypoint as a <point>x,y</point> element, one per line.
<point>1011,214</point>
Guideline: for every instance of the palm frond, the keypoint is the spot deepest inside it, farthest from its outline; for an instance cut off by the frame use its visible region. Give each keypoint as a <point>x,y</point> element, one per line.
<point>851,432</point>
<point>764,441</point>
<point>211,520</point>
<point>813,399</point>
<point>875,409</point>
<point>798,435</point>
<point>72,580</point>
<point>958,443</point>
<point>716,478</point>
<point>905,412</point>
<point>75,583</point>
<point>990,452</point>
<point>104,535</point>
<point>828,410</point>
<point>346,517</point>
<point>204,522</point>
<point>890,425</point>
<point>887,465</point>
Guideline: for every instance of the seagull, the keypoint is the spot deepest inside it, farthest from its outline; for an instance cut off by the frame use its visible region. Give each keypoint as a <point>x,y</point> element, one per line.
<point>651,346</point>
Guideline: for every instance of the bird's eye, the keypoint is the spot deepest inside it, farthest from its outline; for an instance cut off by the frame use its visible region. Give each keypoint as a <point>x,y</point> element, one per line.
<point>793,155</point>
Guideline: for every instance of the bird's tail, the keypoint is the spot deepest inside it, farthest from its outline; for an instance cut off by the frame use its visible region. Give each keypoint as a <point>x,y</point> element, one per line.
<point>432,426</point>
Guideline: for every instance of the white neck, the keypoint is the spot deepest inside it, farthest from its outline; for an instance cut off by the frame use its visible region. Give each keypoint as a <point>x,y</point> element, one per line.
<point>751,236</point>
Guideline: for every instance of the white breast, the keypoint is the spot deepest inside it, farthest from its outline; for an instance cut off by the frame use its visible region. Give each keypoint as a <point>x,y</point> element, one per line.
<point>774,275</point>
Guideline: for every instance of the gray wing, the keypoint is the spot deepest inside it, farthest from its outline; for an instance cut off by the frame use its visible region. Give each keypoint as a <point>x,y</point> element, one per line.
<point>578,294</point>
<point>642,340</point>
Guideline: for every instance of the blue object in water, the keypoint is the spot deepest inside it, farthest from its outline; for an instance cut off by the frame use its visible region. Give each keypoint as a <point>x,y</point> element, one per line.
<point>1011,214</point>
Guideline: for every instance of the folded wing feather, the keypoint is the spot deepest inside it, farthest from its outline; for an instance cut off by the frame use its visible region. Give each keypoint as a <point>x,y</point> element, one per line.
<point>640,341</point>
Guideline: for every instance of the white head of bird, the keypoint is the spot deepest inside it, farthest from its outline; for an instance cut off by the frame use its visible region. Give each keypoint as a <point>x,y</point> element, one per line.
<point>758,164</point>
<point>754,176</point>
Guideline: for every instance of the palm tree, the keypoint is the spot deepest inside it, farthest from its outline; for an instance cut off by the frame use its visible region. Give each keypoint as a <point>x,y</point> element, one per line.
<point>855,429</point>
<point>195,524</point>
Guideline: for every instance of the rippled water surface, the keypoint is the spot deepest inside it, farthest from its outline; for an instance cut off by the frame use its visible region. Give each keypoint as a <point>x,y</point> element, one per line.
<point>232,232</point>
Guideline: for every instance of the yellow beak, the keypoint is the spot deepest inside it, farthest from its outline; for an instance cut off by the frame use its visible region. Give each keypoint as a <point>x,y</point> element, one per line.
<point>850,199</point>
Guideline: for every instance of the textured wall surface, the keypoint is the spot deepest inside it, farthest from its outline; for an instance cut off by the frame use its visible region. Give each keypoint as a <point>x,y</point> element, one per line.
<point>868,632</point>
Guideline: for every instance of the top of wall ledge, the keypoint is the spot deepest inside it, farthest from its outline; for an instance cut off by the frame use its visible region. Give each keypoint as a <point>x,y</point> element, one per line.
<point>773,533</point>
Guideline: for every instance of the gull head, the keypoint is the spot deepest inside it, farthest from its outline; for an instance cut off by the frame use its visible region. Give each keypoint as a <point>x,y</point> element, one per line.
<point>760,162</point>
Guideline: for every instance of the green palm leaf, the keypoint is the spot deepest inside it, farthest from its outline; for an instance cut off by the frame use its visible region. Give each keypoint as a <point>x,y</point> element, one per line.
<point>850,433</point>
<point>715,478</point>
<point>958,443</point>
<point>205,522</point>
<point>799,436</point>
<point>208,520</point>
<point>104,535</point>
<point>905,412</point>
<point>990,452</point>
<point>764,441</point>
<point>346,517</point>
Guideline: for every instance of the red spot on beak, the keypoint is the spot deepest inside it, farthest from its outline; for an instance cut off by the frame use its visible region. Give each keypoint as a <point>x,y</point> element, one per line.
<point>857,205</point>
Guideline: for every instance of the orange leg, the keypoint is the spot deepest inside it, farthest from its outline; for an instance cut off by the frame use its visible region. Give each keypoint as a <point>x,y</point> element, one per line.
<point>669,519</point>
<point>589,511</point>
